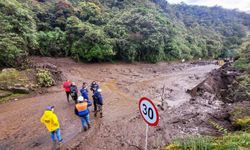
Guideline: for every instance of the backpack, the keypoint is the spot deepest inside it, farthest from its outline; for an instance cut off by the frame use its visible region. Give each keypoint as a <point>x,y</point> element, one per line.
<point>73,90</point>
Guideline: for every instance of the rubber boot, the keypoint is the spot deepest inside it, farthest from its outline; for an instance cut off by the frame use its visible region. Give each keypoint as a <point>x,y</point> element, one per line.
<point>101,115</point>
<point>95,113</point>
<point>89,126</point>
<point>85,129</point>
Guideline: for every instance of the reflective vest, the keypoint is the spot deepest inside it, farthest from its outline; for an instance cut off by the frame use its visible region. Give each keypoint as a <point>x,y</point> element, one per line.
<point>82,109</point>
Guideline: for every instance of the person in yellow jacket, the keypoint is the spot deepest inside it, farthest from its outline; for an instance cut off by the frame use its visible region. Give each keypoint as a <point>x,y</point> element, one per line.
<point>50,120</point>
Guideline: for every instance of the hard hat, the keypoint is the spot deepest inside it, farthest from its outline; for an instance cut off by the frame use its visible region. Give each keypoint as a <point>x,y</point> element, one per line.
<point>73,83</point>
<point>99,90</point>
<point>80,99</point>
<point>50,107</point>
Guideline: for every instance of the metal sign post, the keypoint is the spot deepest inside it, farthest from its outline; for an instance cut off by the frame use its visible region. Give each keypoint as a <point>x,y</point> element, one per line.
<point>146,142</point>
<point>149,114</point>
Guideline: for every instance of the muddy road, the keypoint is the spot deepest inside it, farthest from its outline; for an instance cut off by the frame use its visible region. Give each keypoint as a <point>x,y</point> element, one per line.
<point>122,85</point>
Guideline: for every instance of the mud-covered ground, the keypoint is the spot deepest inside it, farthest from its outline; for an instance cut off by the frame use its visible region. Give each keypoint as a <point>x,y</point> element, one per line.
<point>122,127</point>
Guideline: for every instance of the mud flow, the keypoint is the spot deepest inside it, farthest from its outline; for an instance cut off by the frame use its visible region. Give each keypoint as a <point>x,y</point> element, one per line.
<point>121,127</point>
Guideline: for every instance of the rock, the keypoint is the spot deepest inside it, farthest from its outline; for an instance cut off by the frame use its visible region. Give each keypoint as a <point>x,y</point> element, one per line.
<point>22,90</point>
<point>18,85</point>
<point>9,70</point>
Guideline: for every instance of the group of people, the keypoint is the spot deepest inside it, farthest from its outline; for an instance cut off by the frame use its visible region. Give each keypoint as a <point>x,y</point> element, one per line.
<point>82,103</point>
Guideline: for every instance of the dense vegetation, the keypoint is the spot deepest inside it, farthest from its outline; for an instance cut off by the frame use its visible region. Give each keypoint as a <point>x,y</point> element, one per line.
<point>98,30</point>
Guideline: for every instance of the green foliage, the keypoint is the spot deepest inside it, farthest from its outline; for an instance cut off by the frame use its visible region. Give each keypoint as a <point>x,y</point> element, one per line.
<point>131,30</point>
<point>198,143</point>
<point>9,74</point>
<point>88,42</point>
<point>88,10</point>
<point>233,141</point>
<point>44,78</point>
<point>52,43</point>
<point>16,24</point>
<point>10,77</point>
<point>244,61</point>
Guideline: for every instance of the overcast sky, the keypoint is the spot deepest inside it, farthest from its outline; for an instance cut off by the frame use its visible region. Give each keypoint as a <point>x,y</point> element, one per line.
<point>240,4</point>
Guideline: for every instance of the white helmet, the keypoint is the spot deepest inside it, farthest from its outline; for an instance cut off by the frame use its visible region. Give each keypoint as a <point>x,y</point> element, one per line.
<point>80,99</point>
<point>99,90</point>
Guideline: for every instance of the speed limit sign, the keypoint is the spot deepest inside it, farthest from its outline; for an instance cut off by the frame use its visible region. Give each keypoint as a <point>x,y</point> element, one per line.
<point>148,111</point>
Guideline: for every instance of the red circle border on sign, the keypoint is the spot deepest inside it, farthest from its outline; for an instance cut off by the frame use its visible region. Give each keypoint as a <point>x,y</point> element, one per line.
<point>157,115</point>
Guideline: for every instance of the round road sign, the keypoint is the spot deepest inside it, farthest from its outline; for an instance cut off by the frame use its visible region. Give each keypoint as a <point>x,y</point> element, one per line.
<point>148,111</point>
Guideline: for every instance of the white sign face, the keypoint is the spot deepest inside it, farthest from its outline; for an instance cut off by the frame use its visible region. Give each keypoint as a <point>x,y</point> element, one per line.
<point>149,112</point>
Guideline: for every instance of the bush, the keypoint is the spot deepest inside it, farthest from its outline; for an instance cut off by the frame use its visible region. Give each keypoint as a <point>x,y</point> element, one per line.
<point>9,74</point>
<point>15,26</point>
<point>92,45</point>
<point>52,43</point>
<point>242,63</point>
<point>240,116</point>
<point>44,78</point>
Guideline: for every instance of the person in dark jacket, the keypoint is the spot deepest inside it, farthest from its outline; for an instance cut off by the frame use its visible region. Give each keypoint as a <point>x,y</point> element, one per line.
<point>84,91</point>
<point>97,97</point>
<point>82,111</point>
<point>94,87</point>
<point>74,92</point>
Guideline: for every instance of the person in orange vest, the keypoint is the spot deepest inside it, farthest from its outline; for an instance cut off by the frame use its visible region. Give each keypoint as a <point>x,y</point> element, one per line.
<point>50,120</point>
<point>82,111</point>
<point>66,86</point>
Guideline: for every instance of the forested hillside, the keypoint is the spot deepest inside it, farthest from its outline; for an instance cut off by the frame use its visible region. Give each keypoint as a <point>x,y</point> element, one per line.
<point>106,30</point>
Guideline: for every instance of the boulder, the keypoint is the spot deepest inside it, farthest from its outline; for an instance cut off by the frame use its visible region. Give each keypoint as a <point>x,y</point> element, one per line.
<point>21,90</point>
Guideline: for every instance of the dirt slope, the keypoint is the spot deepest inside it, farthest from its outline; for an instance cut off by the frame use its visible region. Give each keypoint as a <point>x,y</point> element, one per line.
<point>121,127</point>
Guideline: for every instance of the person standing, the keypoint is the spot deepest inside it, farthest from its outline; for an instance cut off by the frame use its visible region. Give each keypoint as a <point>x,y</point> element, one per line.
<point>94,87</point>
<point>82,111</point>
<point>84,91</point>
<point>74,92</point>
<point>97,97</point>
<point>66,86</point>
<point>50,120</point>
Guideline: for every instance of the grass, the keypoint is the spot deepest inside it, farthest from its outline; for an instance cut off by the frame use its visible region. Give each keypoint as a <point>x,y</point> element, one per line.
<point>11,97</point>
<point>9,75</point>
<point>12,76</point>
<point>232,141</point>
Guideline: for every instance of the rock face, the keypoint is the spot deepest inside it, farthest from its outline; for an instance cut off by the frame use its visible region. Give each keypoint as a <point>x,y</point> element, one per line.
<point>21,90</point>
<point>218,83</point>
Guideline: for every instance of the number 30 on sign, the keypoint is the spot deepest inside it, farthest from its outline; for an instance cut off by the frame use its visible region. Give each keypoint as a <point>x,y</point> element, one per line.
<point>148,111</point>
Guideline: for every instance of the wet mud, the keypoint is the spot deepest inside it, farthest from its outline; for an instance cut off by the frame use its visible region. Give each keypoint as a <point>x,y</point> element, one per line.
<point>122,126</point>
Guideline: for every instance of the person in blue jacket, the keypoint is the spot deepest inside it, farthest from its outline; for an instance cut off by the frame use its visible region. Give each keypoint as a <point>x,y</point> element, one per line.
<point>94,87</point>
<point>82,111</point>
<point>97,97</point>
<point>84,91</point>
